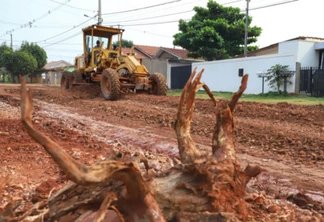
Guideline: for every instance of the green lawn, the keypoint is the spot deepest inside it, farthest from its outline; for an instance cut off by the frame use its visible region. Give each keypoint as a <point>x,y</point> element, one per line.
<point>271,97</point>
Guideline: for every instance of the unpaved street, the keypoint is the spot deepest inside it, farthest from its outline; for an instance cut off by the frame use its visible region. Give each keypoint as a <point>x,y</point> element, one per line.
<point>287,141</point>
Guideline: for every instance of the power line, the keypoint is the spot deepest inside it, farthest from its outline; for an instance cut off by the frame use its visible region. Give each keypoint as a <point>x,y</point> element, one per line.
<point>158,16</point>
<point>165,22</point>
<point>151,33</point>
<point>55,43</point>
<point>10,23</point>
<point>168,14</point>
<point>66,43</point>
<point>171,7</point>
<point>70,6</point>
<point>137,9</point>
<point>154,23</point>
<point>44,40</point>
<point>227,3</point>
<point>30,23</point>
<point>151,12</point>
<point>275,4</point>
<point>49,27</point>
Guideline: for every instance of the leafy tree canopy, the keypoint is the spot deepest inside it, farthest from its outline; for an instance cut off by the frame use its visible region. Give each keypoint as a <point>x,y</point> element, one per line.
<point>37,52</point>
<point>5,55</point>
<point>23,63</point>
<point>215,32</point>
<point>25,60</point>
<point>125,43</point>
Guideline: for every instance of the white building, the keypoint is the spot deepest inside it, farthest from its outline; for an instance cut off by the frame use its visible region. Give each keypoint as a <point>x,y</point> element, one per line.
<point>223,75</point>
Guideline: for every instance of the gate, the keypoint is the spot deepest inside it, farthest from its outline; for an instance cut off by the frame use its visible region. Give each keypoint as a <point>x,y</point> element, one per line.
<point>179,76</point>
<point>312,81</point>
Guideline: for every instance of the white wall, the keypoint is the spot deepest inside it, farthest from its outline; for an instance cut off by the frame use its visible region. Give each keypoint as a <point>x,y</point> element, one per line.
<point>303,50</point>
<point>288,47</point>
<point>223,75</point>
<point>307,55</point>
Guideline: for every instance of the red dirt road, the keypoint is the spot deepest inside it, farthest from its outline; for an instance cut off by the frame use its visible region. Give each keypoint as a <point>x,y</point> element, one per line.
<point>287,141</point>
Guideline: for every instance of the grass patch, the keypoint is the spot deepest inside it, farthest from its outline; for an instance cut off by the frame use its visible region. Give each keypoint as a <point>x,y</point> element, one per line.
<point>271,97</point>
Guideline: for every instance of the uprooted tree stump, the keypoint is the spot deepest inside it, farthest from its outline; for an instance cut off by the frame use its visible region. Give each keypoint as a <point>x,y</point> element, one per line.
<point>205,186</point>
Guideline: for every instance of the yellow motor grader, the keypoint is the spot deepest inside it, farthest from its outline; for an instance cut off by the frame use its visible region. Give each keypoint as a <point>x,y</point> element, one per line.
<point>105,64</point>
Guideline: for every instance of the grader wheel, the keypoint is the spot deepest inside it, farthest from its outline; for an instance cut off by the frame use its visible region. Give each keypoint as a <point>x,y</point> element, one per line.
<point>65,81</point>
<point>159,85</point>
<point>75,77</point>
<point>110,85</point>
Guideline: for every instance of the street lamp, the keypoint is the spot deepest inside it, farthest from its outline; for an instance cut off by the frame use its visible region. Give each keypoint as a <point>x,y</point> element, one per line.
<point>100,20</point>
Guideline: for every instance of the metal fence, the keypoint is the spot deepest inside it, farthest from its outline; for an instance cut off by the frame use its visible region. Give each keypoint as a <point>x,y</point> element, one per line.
<point>312,81</point>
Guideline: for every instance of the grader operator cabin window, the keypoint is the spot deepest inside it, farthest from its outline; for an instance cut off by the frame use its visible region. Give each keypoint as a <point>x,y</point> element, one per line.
<point>91,42</point>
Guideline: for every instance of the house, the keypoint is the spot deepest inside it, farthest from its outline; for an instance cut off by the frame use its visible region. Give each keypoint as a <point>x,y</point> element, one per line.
<point>298,53</point>
<point>173,63</point>
<point>53,71</point>
<point>142,51</point>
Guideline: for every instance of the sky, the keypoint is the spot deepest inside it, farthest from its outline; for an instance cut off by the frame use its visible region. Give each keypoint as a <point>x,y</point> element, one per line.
<point>56,25</point>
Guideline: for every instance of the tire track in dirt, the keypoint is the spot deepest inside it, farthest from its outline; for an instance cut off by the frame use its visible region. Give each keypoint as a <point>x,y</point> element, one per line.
<point>103,131</point>
<point>290,178</point>
<point>280,176</point>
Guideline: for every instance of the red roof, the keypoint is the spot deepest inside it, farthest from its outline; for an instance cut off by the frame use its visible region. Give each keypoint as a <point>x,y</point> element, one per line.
<point>182,53</point>
<point>310,38</point>
<point>150,50</point>
<point>138,54</point>
<point>145,51</point>
<point>57,64</point>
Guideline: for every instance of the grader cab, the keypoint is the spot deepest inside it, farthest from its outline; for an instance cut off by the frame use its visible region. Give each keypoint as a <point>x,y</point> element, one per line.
<point>105,64</point>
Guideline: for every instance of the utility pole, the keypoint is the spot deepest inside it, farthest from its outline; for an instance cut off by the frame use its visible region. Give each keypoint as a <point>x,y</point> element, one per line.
<point>246,27</point>
<point>99,13</point>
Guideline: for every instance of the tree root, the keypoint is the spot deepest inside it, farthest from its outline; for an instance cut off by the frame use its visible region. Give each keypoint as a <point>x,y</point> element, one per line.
<point>138,200</point>
<point>205,186</point>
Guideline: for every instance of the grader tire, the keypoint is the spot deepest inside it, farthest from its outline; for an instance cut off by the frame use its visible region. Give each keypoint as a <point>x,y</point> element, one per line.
<point>110,85</point>
<point>159,85</point>
<point>65,81</point>
<point>75,77</point>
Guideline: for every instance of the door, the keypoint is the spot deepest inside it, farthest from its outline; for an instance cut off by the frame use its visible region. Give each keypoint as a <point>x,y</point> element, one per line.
<point>179,76</point>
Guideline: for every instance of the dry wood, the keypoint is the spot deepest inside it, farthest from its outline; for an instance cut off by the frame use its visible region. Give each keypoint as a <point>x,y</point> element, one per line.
<point>202,187</point>
<point>104,207</point>
<point>138,199</point>
<point>187,148</point>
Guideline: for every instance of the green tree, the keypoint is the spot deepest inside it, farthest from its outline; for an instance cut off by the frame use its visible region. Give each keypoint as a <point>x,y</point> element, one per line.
<point>125,43</point>
<point>37,52</point>
<point>276,76</point>
<point>215,32</point>
<point>23,63</point>
<point>5,55</point>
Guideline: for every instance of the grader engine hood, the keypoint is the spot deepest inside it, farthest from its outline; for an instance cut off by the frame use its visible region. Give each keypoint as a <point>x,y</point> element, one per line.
<point>134,66</point>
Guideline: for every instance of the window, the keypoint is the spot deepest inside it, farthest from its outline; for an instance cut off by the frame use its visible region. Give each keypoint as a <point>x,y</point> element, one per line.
<point>240,72</point>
